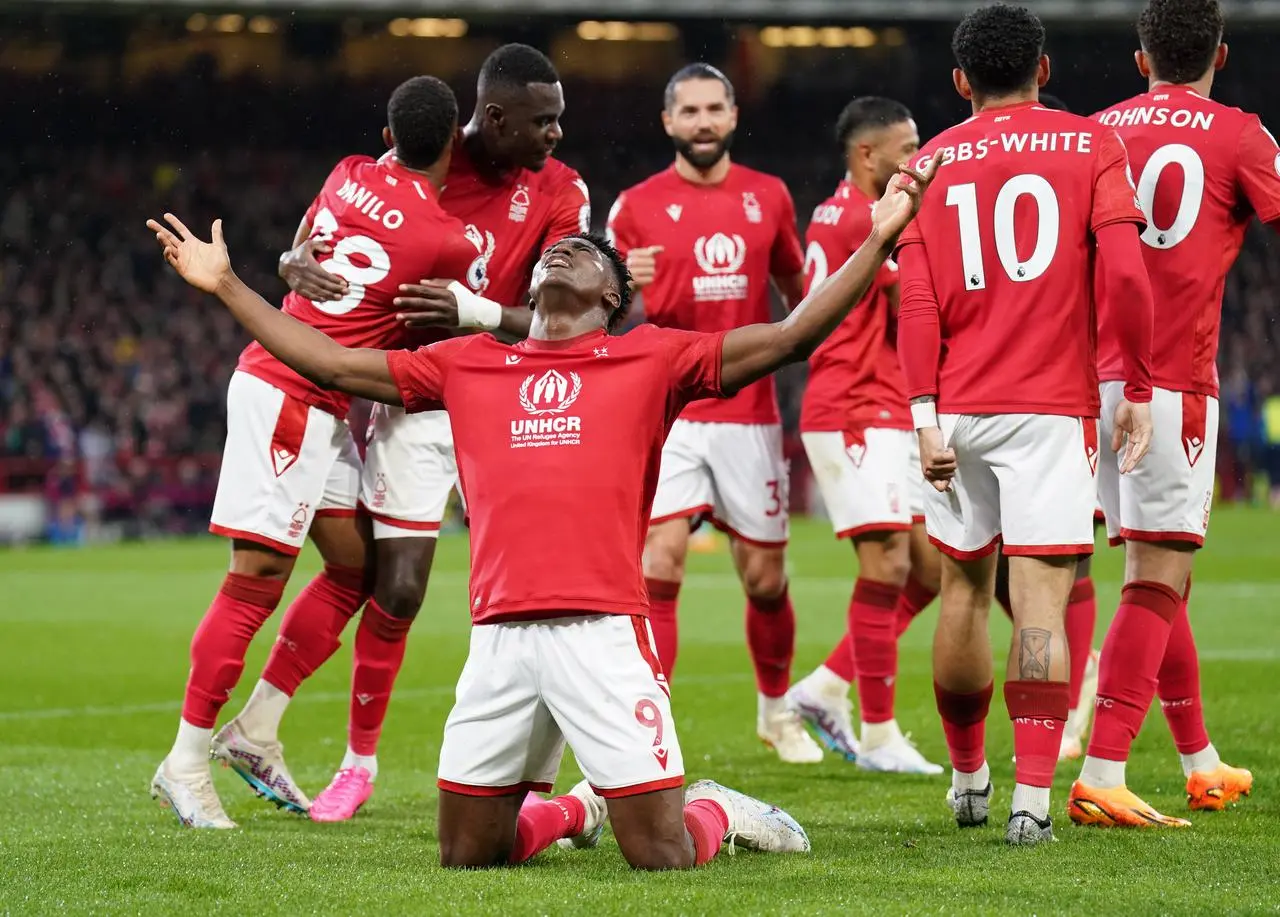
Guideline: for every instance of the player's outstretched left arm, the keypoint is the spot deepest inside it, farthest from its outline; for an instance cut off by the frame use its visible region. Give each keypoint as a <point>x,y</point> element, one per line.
<point>753,351</point>
<point>308,352</point>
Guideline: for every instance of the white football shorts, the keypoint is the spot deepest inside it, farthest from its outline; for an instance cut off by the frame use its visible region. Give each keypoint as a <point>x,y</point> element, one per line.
<point>1025,478</point>
<point>284,464</point>
<point>409,470</point>
<point>733,473</point>
<point>870,480</point>
<point>529,687</point>
<point>1169,495</point>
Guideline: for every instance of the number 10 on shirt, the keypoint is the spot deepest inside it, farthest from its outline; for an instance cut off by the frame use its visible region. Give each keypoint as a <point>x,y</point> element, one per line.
<point>965,199</point>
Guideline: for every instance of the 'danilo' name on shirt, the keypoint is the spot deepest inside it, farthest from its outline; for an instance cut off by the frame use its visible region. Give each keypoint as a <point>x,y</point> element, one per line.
<point>1159,115</point>
<point>370,204</point>
<point>1024,142</point>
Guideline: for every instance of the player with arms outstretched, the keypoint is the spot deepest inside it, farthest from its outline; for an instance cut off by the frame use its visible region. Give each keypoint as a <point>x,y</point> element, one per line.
<point>562,650</point>
<point>1205,170</point>
<point>996,332</point>
<point>704,239</point>
<point>515,200</point>
<point>856,425</point>
<point>290,467</point>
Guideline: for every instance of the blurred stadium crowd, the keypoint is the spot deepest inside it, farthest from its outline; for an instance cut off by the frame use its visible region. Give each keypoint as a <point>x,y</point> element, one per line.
<point>113,373</point>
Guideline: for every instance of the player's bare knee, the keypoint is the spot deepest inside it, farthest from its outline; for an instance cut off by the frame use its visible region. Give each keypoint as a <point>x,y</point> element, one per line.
<point>400,594</point>
<point>665,549</point>
<point>1166,562</point>
<point>464,854</point>
<point>251,559</point>
<point>660,855</point>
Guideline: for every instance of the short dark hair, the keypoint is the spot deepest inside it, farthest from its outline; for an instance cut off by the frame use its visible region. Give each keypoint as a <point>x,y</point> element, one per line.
<point>698,71</point>
<point>515,66</point>
<point>1051,101</point>
<point>620,271</point>
<point>998,47</point>
<point>422,115</point>
<point>1180,37</point>
<point>869,112</point>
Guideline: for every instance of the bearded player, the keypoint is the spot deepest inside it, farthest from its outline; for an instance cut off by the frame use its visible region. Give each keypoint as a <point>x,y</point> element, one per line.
<point>290,467</point>
<point>1205,170</point>
<point>703,240</point>
<point>855,422</point>
<point>562,651</point>
<point>997,332</point>
<point>515,201</point>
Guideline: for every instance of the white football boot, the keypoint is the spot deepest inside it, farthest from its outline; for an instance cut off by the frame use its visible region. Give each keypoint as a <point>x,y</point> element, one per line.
<point>593,825</point>
<point>260,766</point>
<point>753,824</point>
<point>783,731</point>
<point>192,799</point>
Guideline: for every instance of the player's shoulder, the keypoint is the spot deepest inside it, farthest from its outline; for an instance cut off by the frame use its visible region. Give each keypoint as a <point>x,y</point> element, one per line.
<point>759,182</point>
<point>347,165</point>
<point>846,208</point>
<point>556,176</point>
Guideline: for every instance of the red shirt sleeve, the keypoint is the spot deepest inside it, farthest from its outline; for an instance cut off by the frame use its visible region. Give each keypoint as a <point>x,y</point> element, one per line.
<point>1258,165</point>
<point>1115,200</point>
<point>787,257</point>
<point>571,211</point>
<point>620,229</point>
<point>694,359</point>
<point>919,327</point>
<point>420,374</point>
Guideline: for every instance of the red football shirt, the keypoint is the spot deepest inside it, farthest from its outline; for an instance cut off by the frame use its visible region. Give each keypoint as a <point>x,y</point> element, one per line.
<point>1204,169</point>
<point>513,220</point>
<point>386,229</point>
<point>559,445</point>
<point>855,380</point>
<point>1008,229</point>
<point>721,244</point>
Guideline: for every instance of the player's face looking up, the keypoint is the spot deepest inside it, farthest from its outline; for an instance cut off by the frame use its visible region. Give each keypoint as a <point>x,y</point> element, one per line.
<point>700,121</point>
<point>881,150</point>
<point>576,266</point>
<point>524,124</point>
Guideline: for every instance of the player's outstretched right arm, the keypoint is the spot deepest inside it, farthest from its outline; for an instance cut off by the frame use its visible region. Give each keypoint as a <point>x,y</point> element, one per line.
<point>753,351</point>
<point>308,352</point>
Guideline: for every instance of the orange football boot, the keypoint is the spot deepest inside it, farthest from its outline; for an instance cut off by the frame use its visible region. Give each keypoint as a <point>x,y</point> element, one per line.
<point>1215,790</point>
<point>1115,808</point>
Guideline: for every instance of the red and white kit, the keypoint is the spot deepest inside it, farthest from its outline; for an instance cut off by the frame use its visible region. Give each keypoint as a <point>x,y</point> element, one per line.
<point>559,445</point>
<point>854,419</point>
<point>721,245</point>
<point>289,455</point>
<point>410,466</point>
<point>1005,242</point>
<point>1204,169</point>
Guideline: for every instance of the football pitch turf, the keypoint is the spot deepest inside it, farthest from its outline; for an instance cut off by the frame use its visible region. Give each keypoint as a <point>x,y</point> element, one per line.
<point>93,645</point>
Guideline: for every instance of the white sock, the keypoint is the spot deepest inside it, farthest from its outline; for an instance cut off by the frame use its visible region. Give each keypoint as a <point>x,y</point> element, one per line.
<point>261,716</point>
<point>189,756</point>
<point>1033,799</point>
<point>1205,761</point>
<point>1102,774</point>
<point>978,780</point>
<point>368,762</point>
<point>876,734</point>
<point>823,681</point>
<point>769,707</point>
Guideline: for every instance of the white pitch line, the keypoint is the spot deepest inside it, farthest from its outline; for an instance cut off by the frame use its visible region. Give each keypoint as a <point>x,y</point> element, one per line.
<point>321,697</point>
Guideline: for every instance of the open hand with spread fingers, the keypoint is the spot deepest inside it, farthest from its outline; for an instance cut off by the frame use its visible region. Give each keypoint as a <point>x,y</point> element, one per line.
<point>204,265</point>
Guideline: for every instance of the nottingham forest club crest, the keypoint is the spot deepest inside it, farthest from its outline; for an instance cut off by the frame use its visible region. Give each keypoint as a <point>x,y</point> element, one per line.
<point>547,399</point>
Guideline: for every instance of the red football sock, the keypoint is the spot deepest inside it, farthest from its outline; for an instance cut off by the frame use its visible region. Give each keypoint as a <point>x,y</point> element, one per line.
<point>1082,615</point>
<point>542,822</point>
<point>1039,712</point>
<point>771,638</point>
<point>873,617</point>
<point>238,612</point>
<point>380,644</point>
<point>707,824</point>
<point>915,598</point>
<point>841,661</point>
<point>964,722</point>
<point>1131,656</point>
<point>1179,687</point>
<point>663,598</point>
<point>312,625</point>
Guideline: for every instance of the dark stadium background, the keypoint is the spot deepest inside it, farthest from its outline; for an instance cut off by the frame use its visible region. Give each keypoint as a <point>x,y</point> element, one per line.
<point>112,373</point>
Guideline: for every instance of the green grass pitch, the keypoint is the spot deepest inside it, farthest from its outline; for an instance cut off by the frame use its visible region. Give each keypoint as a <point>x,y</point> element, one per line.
<point>93,654</point>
